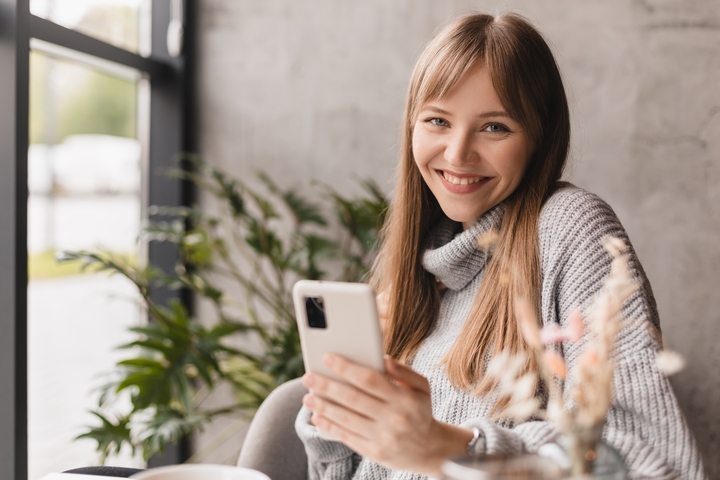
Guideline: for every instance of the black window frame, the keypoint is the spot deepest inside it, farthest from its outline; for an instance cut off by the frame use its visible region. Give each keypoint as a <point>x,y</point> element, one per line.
<point>170,125</point>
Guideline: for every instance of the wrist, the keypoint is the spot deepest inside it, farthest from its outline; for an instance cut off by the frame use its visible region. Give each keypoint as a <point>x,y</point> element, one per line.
<point>452,442</point>
<point>476,447</point>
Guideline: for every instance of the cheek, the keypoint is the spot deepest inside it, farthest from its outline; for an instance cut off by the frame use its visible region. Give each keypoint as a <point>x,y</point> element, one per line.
<point>415,150</point>
<point>421,148</point>
<point>515,164</point>
<point>522,164</point>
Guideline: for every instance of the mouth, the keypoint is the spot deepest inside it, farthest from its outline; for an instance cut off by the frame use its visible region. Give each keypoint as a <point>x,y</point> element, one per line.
<point>460,179</point>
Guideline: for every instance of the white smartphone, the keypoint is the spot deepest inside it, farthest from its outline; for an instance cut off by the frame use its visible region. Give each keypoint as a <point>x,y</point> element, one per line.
<point>341,318</point>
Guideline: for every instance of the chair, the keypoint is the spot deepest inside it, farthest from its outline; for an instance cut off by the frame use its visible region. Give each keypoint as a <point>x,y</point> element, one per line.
<point>271,445</point>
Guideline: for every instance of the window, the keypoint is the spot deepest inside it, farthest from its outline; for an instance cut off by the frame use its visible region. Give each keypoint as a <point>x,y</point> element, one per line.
<point>91,111</point>
<point>84,180</point>
<point>117,22</point>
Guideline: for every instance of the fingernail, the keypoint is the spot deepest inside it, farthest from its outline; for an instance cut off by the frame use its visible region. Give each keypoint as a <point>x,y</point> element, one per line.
<point>329,359</point>
<point>309,380</point>
<point>310,402</point>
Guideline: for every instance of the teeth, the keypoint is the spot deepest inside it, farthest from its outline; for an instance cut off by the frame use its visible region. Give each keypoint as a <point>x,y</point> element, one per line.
<point>460,181</point>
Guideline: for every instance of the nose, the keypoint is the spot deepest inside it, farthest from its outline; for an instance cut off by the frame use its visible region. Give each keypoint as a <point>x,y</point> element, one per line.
<point>459,149</point>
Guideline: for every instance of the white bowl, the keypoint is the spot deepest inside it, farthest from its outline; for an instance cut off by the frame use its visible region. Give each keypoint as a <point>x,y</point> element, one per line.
<point>200,472</point>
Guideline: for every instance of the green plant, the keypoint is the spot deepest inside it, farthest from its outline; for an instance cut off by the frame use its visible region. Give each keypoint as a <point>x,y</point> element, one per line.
<point>242,260</point>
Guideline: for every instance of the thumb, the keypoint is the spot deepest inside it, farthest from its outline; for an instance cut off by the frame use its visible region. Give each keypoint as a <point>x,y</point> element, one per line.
<point>383,307</point>
<point>406,376</point>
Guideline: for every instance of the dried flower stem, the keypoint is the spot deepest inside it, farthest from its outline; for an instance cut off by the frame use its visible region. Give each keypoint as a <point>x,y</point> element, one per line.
<point>592,392</point>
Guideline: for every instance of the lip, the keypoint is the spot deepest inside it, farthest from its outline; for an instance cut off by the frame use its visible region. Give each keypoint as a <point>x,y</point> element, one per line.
<point>461,189</point>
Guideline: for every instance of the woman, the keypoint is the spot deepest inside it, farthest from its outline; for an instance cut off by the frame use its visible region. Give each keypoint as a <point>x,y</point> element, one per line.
<point>485,141</point>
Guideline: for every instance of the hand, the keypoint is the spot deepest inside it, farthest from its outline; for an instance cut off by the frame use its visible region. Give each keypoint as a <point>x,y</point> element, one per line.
<point>383,307</point>
<point>388,422</point>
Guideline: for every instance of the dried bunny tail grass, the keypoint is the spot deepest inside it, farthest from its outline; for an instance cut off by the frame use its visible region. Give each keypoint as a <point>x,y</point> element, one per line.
<point>516,389</point>
<point>557,413</point>
<point>504,364</point>
<point>528,321</point>
<point>576,326</point>
<point>487,241</point>
<point>555,364</point>
<point>549,362</point>
<point>593,395</point>
<point>620,284</point>
<point>614,246</point>
<point>520,411</point>
<point>669,362</point>
<point>593,391</point>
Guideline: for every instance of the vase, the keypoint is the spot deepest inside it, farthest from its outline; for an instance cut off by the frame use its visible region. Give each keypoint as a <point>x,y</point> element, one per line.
<point>606,462</point>
<point>551,463</point>
<point>495,467</point>
<point>581,444</point>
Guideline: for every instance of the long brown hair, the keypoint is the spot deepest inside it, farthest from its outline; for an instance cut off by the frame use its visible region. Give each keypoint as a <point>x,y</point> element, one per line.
<point>528,83</point>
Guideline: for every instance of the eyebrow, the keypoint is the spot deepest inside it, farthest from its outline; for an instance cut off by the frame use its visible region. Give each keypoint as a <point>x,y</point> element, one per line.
<point>494,113</point>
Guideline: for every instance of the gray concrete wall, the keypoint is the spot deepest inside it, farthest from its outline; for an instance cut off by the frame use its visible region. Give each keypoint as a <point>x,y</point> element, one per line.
<point>315,89</point>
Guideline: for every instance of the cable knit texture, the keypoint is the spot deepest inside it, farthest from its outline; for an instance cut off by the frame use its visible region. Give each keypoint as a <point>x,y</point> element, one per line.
<point>644,424</point>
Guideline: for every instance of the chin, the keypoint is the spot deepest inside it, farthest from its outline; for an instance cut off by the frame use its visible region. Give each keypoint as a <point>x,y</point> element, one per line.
<point>461,217</point>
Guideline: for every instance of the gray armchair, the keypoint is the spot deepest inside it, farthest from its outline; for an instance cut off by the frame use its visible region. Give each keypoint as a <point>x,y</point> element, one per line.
<point>271,445</point>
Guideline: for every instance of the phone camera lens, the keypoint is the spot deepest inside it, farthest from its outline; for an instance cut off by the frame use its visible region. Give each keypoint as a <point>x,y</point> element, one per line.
<point>315,310</point>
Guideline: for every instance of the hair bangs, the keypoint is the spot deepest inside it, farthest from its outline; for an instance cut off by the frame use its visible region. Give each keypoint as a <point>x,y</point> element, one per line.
<point>446,59</point>
<point>504,62</point>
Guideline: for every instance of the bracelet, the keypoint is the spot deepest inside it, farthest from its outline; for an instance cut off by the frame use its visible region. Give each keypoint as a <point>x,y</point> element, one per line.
<point>476,446</point>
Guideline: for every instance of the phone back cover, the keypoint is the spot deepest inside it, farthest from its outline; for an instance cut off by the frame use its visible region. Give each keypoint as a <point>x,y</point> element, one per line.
<point>353,329</point>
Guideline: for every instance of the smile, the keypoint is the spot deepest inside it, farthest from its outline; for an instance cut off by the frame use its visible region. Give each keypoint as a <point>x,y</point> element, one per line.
<point>464,180</point>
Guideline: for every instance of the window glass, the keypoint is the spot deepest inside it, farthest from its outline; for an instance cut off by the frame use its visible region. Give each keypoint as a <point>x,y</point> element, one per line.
<point>84,166</point>
<point>118,22</point>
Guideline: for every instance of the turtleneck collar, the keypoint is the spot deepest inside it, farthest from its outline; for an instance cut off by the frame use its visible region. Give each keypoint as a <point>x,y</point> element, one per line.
<point>456,261</point>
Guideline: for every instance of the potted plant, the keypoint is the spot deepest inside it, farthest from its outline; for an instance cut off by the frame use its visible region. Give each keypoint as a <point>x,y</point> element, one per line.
<point>242,259</point>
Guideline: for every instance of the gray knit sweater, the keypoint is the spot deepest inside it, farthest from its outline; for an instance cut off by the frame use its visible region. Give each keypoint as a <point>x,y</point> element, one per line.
<point>644,424</point>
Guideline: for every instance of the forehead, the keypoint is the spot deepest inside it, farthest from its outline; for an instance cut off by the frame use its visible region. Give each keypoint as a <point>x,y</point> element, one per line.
<point>474,90</point>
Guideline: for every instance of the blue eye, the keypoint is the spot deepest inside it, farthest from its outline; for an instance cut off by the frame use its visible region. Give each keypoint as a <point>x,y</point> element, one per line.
<point>496,128</point>
<point>438,122</point>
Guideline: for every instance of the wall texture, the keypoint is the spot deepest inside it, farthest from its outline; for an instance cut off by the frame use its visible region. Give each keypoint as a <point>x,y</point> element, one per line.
<point>315,90</point>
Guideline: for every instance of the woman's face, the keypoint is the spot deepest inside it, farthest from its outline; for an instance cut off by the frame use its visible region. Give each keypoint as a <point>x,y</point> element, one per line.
<point>470,152</point>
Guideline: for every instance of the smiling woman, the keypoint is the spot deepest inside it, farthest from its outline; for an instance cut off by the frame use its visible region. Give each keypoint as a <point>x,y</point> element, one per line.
<point>485,141</point>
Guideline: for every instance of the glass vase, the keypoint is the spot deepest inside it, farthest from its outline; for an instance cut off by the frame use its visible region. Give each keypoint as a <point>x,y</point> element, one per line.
<point>551,463</point>
<point>604,462</point>
<point>495,467</point>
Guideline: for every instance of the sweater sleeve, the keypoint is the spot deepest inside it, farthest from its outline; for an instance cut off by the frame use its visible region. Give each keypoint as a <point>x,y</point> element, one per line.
<point>327,460</point>
<point>644,424</point>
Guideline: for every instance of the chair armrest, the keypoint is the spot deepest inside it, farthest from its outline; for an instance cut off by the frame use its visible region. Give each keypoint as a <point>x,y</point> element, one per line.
<point>271,445</point>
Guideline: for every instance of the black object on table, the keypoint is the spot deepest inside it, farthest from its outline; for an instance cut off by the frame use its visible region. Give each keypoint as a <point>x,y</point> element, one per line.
<point>122,472</point>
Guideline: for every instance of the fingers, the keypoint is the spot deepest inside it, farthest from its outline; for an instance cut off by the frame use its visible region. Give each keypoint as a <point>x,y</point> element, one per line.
<point>357,443</point>
<point>373,382</point>
<point>405,375</point>
<point>348,419</point>
<point>343,394</point>
<point>363,378</point>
